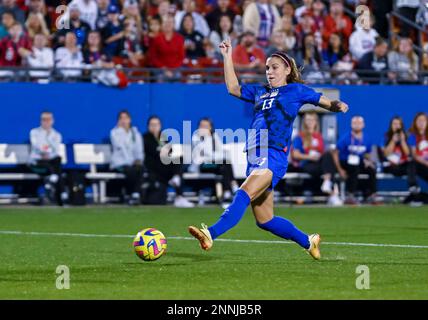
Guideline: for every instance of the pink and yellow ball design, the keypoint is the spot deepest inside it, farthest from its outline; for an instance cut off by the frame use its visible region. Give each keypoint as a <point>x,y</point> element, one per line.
<point>149,244</point>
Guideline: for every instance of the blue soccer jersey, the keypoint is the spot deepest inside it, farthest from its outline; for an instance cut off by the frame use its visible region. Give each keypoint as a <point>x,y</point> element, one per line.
<point>349,145</point>
<point>274,112</point>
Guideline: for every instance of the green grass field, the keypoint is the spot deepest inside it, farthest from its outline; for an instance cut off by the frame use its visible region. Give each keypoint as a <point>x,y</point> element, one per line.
<point>107,268</point>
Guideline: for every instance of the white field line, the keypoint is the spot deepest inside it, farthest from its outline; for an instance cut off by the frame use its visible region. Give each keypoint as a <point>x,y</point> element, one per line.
<point>89,235</point>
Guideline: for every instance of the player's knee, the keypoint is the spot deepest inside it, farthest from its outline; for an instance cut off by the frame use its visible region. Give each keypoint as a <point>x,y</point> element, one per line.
<point>252,192</point>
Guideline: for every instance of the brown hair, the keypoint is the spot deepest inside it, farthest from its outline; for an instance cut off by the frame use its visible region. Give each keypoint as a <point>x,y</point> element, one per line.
<point>306,136</point>
<point>390,132</point>
<point>413,129</point>
<point>295,76</point>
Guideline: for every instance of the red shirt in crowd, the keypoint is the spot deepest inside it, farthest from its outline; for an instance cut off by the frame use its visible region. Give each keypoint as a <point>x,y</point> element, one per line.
<point>165,53</point>
<point>330,26</point>
<point>9,55</point>
<point>241,56</point>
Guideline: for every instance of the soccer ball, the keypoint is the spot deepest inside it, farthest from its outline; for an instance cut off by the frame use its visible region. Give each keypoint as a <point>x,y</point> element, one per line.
<point>149,244</point>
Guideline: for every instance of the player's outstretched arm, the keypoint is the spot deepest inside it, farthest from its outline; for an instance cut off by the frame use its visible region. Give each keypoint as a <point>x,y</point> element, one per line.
<point>230,77</point>
<point>333,105</point>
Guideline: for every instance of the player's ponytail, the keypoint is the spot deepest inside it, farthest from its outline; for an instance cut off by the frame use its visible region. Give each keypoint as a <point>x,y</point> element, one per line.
<point>295,75</point>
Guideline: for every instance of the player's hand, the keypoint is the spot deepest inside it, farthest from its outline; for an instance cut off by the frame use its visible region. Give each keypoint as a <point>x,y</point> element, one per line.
<point>343,107</point>
<point>226,48</point>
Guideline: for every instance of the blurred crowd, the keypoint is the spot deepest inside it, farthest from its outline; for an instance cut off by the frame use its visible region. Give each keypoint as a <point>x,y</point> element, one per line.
<point>168,34</point>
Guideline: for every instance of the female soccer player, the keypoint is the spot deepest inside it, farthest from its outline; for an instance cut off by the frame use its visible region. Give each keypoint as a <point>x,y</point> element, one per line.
<point>275,108</point>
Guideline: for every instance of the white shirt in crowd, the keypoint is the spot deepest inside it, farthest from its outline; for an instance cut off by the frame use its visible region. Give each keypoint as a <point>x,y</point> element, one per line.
<point>44,144</point>
<point>127,147</point>
<point>66,59</point>
<point>362,41</point>
<point>40,58</point>
<point>88,11</point>
<point>207,149</point>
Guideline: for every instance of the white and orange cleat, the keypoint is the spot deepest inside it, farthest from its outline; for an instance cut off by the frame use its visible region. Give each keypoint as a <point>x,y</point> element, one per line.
<point>203,235</point>
<point>314,249</point>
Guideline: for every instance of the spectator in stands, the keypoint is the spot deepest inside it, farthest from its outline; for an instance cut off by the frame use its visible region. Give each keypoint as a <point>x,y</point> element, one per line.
<point>161,167</point>
<point>305,8</point>
<point>222,8</point>
<point>131,11</point>
<point>128,155</point>
<point>404,62</point>
<point>79,27</point>
<point>262,18</point>
<point>418,143</point>
<point>88,11</point>
<point>352,157</point>
<point>309,154</point>
<point>12,47</point>
<point>343,71</point>
<point>408,9</point>
<point>154,30</point>
<point>223,31</point>
<point>45,157</point>
<point>164,9</point>
<point>278,42</point>
<point>209,156</point>
<point>396,153</point>
<point>193,40</point>
<point>305,26</point>
<point>7,21</point>
<point>39,6</point>
<point>36,24</point>
<point>201,24</point>
<point>40,56</point>
<point>375,61</point>
<point>238,24</point>
<point>290,34</point>
<point>102,15</point>
<point>69,56</point>
<point>318,13</point>
<point>130,46</point>
<point>335,50</point>
<point>289,11</point>
<point>93,53</point>
<point>362,40</point>
<point>337,22</point>
<point>247,55</point>
<point>167,50</point>
<point>310,59</point>
<point>112,32</point>
<point>10,6</point>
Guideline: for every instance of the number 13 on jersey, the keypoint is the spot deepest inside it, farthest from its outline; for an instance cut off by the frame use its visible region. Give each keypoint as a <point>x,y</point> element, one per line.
<point>267,104</point>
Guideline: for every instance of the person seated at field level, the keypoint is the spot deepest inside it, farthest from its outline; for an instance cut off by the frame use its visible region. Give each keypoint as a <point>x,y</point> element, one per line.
<point>208,156</point>
<point>157,154</point>
<point>128,155</point>
<point>45,159</point>
<point>418,143</point>
<point>352,157</point>
<point>396,153</point>
<point>310,157</point>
